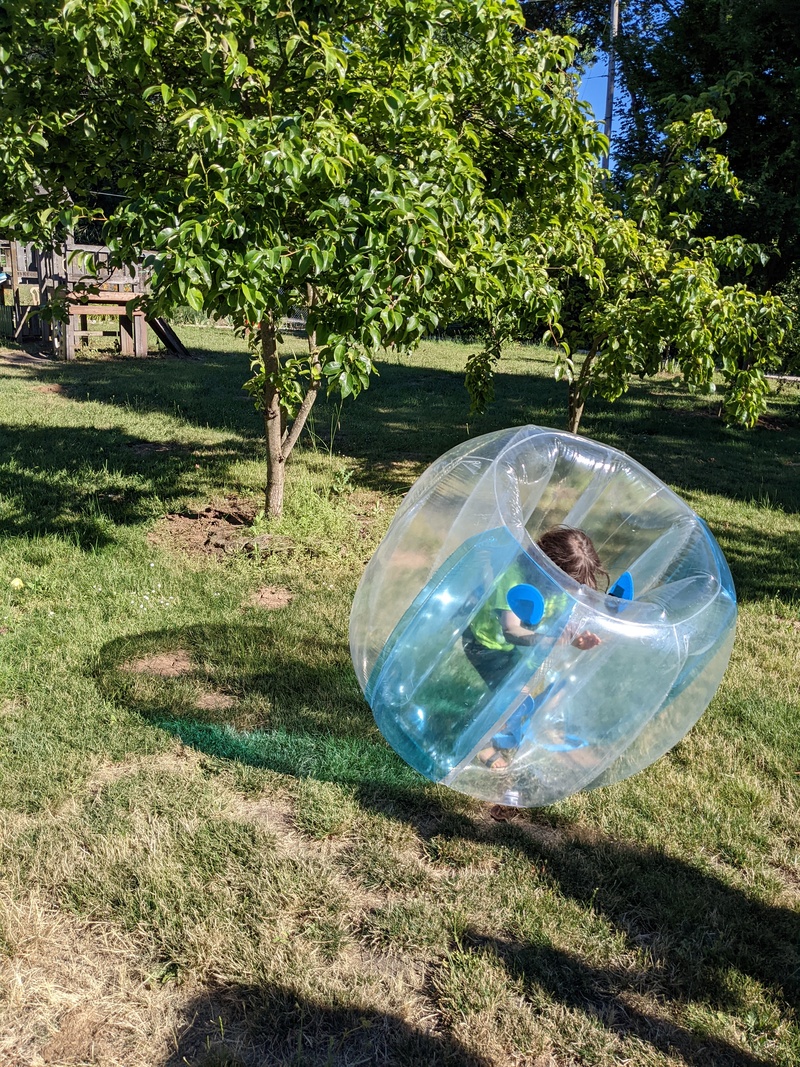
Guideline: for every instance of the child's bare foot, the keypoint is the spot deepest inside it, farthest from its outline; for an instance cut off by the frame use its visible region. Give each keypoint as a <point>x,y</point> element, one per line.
<point>493,758</point>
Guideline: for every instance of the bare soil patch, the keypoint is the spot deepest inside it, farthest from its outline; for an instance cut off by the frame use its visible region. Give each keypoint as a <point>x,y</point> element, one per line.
<point>270,597</point>
<point>148,448</point>
<point>770,422</point>
<point>164,664</point>
<point>214,700</point>
<point>76,1037</point>
<point>24,357</point>
<point>219,529</point>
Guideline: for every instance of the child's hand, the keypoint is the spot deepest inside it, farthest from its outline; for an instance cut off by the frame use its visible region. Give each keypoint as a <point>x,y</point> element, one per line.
<point>586,640</point>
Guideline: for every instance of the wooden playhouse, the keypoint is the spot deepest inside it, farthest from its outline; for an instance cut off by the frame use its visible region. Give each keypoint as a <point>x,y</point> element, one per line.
<point>30,278</point>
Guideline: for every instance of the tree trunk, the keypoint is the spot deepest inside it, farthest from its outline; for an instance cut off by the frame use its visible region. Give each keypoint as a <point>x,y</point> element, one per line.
<point>578,390</point>
<point>290,435</point>
<point>281,438</point>
<point>276,463</point>
<point>576,405</point>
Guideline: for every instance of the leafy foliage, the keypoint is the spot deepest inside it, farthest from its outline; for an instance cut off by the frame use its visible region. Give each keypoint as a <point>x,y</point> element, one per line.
<point>365,157</point>
<point>646,289</point>
<point>669,50</point>
<point>390,165</point>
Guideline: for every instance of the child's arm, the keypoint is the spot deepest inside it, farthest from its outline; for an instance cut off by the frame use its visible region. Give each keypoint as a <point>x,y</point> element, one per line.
<point>515,631</point>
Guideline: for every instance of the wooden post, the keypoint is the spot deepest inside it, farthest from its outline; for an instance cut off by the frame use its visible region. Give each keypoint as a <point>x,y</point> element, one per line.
<point>139,335</point>
<point>69,337</point>
<point>126,340</point>
<point>15,307</point>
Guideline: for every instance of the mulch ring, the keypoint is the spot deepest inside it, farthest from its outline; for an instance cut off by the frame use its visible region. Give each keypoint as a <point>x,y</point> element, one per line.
<point>218,529</point>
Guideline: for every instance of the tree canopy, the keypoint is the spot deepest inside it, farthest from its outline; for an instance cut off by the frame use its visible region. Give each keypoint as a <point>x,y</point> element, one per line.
<point>698,45</point>
<point>364,158</point>
<point>648,290</point>
<point>669,50</point>
<point>392,165</point>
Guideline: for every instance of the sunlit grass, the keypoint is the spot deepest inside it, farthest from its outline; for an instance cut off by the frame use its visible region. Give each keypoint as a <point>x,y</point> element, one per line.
<point>234,848</point>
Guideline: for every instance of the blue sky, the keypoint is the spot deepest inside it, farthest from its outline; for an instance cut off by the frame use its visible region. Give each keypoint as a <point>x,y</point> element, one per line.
<point>593,87</point>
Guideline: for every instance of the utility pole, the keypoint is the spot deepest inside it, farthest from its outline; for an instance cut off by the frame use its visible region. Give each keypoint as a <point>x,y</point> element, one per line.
<point>612,63</point>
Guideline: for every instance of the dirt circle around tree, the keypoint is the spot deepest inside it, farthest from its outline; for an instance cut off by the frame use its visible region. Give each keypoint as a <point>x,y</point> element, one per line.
<point>220,529</point>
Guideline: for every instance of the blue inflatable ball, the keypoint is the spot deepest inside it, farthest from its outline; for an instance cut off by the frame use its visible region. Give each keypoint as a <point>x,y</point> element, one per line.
<point>602,683</point>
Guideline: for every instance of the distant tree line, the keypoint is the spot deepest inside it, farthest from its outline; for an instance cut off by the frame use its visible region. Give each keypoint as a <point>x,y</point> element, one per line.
<point>670,50</point>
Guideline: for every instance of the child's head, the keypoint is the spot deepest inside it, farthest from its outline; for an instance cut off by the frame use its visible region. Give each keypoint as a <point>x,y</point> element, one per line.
<point>573,551</point>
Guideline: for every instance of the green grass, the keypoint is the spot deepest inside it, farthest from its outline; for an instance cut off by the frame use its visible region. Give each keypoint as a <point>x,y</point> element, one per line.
<point>227,865</point>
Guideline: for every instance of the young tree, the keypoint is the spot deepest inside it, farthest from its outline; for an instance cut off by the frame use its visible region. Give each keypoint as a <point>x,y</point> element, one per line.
<point>637,286</point>
<point>364,158</point>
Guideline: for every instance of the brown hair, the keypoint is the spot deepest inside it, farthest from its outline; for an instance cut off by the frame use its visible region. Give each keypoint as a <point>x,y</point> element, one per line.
<point>573,551</point>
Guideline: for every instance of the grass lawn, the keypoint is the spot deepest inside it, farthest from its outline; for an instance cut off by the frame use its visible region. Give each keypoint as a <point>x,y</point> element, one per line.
<point>208,854</point>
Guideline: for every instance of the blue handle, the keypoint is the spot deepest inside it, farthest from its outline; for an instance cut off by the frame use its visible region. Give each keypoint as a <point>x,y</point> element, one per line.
<point>623,587</point>
<point>527,603</point>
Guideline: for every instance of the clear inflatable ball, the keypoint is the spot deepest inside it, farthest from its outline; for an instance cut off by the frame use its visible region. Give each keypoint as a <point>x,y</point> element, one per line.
<point>491,669</point>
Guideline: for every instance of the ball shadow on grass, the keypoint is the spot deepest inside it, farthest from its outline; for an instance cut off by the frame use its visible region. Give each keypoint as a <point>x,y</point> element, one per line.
<point>240,692</point>
<point>238,1025</point>
<point>308,719</point>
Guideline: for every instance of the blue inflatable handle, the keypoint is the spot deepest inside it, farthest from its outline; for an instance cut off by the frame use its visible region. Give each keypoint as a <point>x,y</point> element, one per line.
<point>527,603</point>
<point>623,587</point>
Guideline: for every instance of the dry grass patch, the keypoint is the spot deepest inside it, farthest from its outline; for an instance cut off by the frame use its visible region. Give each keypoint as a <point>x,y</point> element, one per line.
<point>274,812</point>
<point>270,597</point>
<point>74,991</point>
<point>164,664</point>
<point>214,700</point>
<point>181,759</point>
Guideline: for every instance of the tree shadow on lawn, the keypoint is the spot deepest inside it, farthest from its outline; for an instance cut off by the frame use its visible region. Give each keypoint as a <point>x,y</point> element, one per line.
<point>412,414</point>
<point>79,482</point>
<point>700,933</point>
<point>250,1026</point>
<point>693,925</point>
<point>416,414</point>
<point>607,996</point>
<point>205,391</point>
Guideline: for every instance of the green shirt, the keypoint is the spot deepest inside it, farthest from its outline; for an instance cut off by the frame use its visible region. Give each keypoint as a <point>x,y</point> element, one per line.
<point>485,625</point>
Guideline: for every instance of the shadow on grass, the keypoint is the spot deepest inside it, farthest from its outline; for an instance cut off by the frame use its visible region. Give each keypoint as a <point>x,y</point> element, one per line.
<point>57,479</point>
<point>606,996</point>
<point>245,1026</point>
<point>80,482</point>
<point>693,925</point>
<point>413,413</point>
<point>416,414</point>
<point>698,935</point>
<point>206,391</point>
<point>277,712</point>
